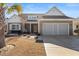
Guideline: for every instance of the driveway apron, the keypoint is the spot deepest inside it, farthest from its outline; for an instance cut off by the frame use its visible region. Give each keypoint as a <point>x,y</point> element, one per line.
<point>61,45</point>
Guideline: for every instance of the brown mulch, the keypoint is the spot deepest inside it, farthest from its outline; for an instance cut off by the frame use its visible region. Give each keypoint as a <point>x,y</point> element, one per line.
<point>25,47</point>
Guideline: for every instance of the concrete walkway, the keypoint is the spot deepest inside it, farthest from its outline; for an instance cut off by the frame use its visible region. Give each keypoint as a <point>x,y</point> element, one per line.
<point>61,45</point>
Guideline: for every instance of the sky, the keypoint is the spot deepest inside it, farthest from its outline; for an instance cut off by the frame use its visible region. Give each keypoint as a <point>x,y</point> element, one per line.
<point>69,9</point>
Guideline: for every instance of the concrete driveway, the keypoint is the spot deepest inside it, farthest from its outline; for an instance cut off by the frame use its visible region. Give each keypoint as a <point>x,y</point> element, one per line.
<point>61,45</point>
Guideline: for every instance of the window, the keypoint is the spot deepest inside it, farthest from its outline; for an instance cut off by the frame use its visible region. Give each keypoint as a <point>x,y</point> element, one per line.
<point>15,27</point>
<point>32,17</point>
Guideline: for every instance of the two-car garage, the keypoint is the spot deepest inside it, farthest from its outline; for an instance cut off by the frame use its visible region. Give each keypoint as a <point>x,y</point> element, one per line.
<point>55,29</point>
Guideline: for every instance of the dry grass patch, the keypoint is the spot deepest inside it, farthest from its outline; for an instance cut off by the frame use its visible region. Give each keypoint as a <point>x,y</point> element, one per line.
<point>25,47</point>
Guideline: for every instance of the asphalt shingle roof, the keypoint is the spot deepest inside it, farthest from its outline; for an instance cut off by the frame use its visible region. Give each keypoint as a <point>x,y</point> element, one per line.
<point>56,17</point>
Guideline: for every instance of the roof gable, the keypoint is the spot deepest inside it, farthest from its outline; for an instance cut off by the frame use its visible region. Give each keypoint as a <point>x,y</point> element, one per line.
<point>55,12</point>
<point>14,18</point>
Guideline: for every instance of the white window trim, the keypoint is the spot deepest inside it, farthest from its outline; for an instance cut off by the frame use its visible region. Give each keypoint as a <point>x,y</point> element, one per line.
<point>32,17</point>
<point>11,25</point>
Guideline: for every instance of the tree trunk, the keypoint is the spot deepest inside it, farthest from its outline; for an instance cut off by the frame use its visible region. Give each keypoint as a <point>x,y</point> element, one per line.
<point>2,28</point>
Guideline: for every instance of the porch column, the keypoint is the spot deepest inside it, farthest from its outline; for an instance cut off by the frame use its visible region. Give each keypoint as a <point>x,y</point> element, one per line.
<point>39,27</point>
<point>30,27</point>
<point>73,26</point>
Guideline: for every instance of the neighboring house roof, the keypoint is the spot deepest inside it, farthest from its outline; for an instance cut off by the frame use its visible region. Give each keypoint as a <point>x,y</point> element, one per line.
<point>76,19</point>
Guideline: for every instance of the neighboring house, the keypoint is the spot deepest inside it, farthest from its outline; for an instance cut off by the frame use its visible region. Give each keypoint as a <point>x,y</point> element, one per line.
<point>54,22</point>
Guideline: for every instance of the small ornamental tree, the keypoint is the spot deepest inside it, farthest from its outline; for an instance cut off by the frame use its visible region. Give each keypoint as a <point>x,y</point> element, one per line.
<point>5,7</point>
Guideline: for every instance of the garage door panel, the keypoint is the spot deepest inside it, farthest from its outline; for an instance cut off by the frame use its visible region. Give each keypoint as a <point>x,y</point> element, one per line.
<point>47,29</point>
<point>63,29</point>
<point>55,29</point>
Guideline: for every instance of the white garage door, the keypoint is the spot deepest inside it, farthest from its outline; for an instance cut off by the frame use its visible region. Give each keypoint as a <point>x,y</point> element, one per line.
<point>55,29</point>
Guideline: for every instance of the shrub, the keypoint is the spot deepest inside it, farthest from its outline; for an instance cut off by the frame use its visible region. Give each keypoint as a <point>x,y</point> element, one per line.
<point>76,31</point>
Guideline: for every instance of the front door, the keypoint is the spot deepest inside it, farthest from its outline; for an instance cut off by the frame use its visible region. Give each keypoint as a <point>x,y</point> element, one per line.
<point>34,28</point>
<point>27,28</point>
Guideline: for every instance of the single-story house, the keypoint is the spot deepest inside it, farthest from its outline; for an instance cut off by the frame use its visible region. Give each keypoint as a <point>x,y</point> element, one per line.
<point>54,22</point>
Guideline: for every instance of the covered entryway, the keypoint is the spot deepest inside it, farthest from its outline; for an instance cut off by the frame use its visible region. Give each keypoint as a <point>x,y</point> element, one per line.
<point>31,28</point>
<point>55,29</point>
